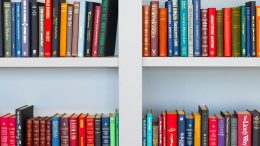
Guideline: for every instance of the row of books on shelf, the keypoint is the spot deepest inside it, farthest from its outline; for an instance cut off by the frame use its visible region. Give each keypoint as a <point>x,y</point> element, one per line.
<point>177,128</point>
<point>23,128</point>
<point>182,28</point>
<point>58,29</point>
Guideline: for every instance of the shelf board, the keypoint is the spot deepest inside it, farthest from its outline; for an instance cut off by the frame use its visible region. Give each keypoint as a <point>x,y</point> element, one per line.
<point>59,62</point>
<point>200,62</point>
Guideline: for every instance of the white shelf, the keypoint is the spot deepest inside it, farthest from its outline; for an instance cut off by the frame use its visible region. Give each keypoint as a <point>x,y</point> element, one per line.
<point>200,62</point>
<point>59,62</point>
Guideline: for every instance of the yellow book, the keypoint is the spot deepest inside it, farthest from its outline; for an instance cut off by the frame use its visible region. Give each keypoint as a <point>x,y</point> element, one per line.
<point>63,29</point>
<point>197,128</point>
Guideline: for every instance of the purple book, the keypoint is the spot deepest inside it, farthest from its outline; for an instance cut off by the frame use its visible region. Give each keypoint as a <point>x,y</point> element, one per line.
<point>221,130</point>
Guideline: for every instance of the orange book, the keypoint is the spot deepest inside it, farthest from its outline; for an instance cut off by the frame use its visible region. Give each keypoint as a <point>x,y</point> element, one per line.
<point>163,32</point>
<point>258,31</point>
<point>82,129</point>
<point>63,29</point>
<point>146,31</point>
<point>227,32</point>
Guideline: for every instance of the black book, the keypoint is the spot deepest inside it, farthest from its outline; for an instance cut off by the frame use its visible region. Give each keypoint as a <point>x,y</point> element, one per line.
<point>56,9</point>
<point>227,117</point>
<point>204,112</point>
<point>34,28</point>
<point>22,114</point>
<point>233,130</point>
<point>255,128</point>
<point>252,5</point>
<point>1,28</point>
<point>98,130</point>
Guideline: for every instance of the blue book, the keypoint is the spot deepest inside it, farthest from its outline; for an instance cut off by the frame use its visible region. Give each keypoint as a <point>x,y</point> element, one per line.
<point>18,34</point>
<point>55,130</point>
<point>184,46</point>
<point>144,131</point>
<point>181,127</point>
<point>82,28</point>
<point>13,6</point>
<point>196,28</point>
<point>168,5</point>
<point>248,31</point>
<point>189,130</point>
<point>149,128</point>
<point>175,27</point>
<point>105,130</point>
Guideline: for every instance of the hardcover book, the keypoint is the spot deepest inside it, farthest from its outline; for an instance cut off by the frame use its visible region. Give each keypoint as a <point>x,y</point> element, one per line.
<point>204,112</point>
<point>163,49</point>
<point>244,128</point>
<point>204,32</point>
<point>234,133</point>
<point>190,28</point>
<point>227,32</point>
<point>26,36</point>
<point>175,23</point>
<point>7,27</point>
<point>2,30</point>
<point>146,31</point>
<point>160,130</point>
<point>212,32</point>
<point>47,28</point>
<point>117,127</point>
<point>74,123</point>
<point>236,44</point>
<point>41,30</point>
<point>112,130</point>
<point>154,28</point>
<point>144,135</point>
<point>69,31</point>
<point>248,31</point>
<point>183,9</point>
<point>98,130</point>
<point>64,130</point>
<point>63,29</point>
<point>36,131</point>
<point>48,132</point>
<point>18,34</point>
<point>149,128</point>
<point>11,131</point>
<point>105,130</point>
<point>197,128</point>
<point>29,132</point>
<point>255,128</point>
<point>82,129</point>
<point>189,130</point>
<point>155,134</point>
<point>75,29</point>
<point>252,5</point>
<point>181,127</point>
<point>220,33</point>
<point>164,128</point>
<point>221,130</point>
<point>34,17</point>
<point>196,27</point>
<point>168,5</point>
<point>227,118</point>
<point>13,28</point>
<point>257,31</point>
<point>96,31</point>
<point>4,129</point>
<point>90,130</point>
<point>43,131</point>
<point>243,31</point>
<point>172,127</point>
<point>55,129</point>
<point>213,130</point>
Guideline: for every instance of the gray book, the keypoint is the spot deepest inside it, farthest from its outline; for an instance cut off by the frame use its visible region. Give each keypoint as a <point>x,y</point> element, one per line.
<point>41,31</point>
<point>25,28</point>
<point>233,131</point>
<point>7,29</point>
<point>69,30</point>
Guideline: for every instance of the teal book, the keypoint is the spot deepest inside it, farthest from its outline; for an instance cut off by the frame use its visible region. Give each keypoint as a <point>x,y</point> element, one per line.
<point>183,9</point>
<point>243,30</point>
<point>117,127</point>
<point>149,128</point>
<point>112,130</point>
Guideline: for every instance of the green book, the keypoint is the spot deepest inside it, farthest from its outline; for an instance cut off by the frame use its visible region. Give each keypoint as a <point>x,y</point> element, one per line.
<point>243,31</point>
<point>112,130</point>
<point>7,29</point>
<point>117,127</point>
<point>220,33</point>
<point>236,44</point>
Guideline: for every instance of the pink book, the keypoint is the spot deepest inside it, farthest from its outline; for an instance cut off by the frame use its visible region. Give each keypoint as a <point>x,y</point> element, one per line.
<point>95,38</point>
<point>12,131</point>
<point>4,129</point>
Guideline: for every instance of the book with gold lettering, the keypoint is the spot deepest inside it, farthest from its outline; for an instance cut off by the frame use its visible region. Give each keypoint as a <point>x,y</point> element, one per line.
<point>197,128</point>
<point>236,42</point>
<point>63,29</point>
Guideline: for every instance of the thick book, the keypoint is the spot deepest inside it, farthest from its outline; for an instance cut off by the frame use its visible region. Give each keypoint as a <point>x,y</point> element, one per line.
<point>144,130</point>
<point>197,128</point>
<point>47,28</point>
<point>112,130</point>
<point>98,130</point>
<point>29,132</point>
<point>155,134</point>
<point>48,132</point>
<point>90,130</point>
<point>4,129</point>
<point>36,131</point>
<point>13,28</point>
<point>190,28</point>
<point>252,5</point>
<point>26,35</point>
<point>227,118</point>
<point>204,33</point>
<point>176,28</point>
<point>55,129</point>
<point>257,31</point>
<point>189,130</point>
<point>164,128</point>
<point>227,32</point>
<point>236,23</point>
<point>168,5</point>
<point>41,30</point>
<point>213,130</point>
<point>105,130</point>
<point>233,130</point>
<point>243,31</point>
<point>248,31</point>
<point>69,31</point>
<point>8,29</point>
<point>181,127</point>
<point>43,131</point>
<point>73,126</point>
<point>64,130</point>
<point>63,29</point>
<point>18,28</point>
<point>221,130</point>
<point>172,126</point>
<point>154,28</point>
<point>75,29</point>
<point>220,33</point>
<point>34,17</point>
<point>149,128</point>
<point>108,27</point>
<point>244,128</point>
<point>196,28</point>
<point>82,129</point>
<point>160,130</point>
<point>2,30</point>
<point>183,9</point>
<point>22,115</point>
<point>11,123</point>
<point>204,112</point>
<point>212,40</point>
<point>96,29</point>
<point>255,128</point>
<point>163,48</point>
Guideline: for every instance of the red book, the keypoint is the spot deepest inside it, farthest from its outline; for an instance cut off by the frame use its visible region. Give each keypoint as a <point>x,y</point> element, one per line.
<point>244,125</point>
<point>212,32</point>
<point>213,131</point>
<point>43,131</point>
<point>164,127</point>
<point>29,132</point>
<point>48,132</point>
<point>160,130</point>
<point>12,131</point>
<point>36,132</point>
<point>90,130</point>
<point>95,36</point>
<point>172,126</point>
<point>73,121</point>
<point>82,128</point>
<point>47,28</point>
<point>4,129</point>
<point>227,32</point>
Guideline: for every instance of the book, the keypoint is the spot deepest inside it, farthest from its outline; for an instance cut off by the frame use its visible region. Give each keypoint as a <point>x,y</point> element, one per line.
<point>112,130</point>
<point>196,27</point>
<point>48,132</point>
<point>204,112</point>
<point>22,115</point>
<point>117,126</point>
<point>149,128</point>
<point>55,129</point>
<point>189,130</point>
<point>243,31</point>
<point>163,49</point>
<point>181,127</point>
<point>227,118</point>
<point>252,5</point>
<point>11,131</point>
<point>220,33</point>
<point>29,132</point>
<point>73,126</point>
<point>160,130</point>
<point>75,29</point>
<point>197,128</point>
<point>236,44</point>
<point>36,131</point>
<point>13,28</point>
<point>257,26</point>
<point>244,128</point>
<point>175,23</point>
<point>2,30</point>
<point>64,130</point>
<point>34,17</point>
<point>183,9</point>
<point>48,28</point>
<point>43,131</point>
<point>213,131</point>
<point>190,28</point>
<point>90,130</point>
<point>144,130</point>
<point>155,134</point>
<point>255,127</point>
<point>221,130</point>
<point>154,28</point>
<point>4,129</point>
<point>41,30</point>
<point>82,129</point>
<point>26,36</point>
<point>164,128</point>
<point>108,27</point>
<point>233,131</point>
<point>69,31</point>
<point>168,5</point>
<point>248,31</point>
<point>18,28</point>
<point>146,31</point>
<point>212,32</point>
<point>63,29</point>
<point>172,127</point>
<point>105,130</point>
<point>98,130</point>
<point>204,33</point>
<point>96,28</point>
<point>227,32</point>
<point>8,29</point>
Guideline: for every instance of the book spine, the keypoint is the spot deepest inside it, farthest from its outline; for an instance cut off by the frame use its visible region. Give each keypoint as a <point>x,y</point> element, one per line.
<point>117,127</point>
<point>69,31</point>
<point>82,132</point>
<point>64,131</point>
<point>213,131</point>
<point>227,32</point>
<point>13,13</point>
<point>221,132</point>
<point>160,130</point>
<point>55,43</point>
<point>18,129</point>
<point>252,5</point>
<point>244,129</point>
<point>172,129</point>
<point>34,28</point>
<point>236,44</point>
<point>47,28</point>
<point>190,29</point>
<point>204,32</point>
<point>7,27</point>
<point>212,32</point>
<point>96,31</point>
<point>168,5</point>
<point>183,8</point>
<point>204,127</point>
<point>196,27</point>
<point>55,130</point>
<point>255,130</point>
<point>248,31</point>
<point>75,29</point>
<point>197,130</point>
<point>149,128</point>
<point>48,132</point>
<point>220,33</point>
<point>63,29</point>
<point>73,125</point>
<point>36,133</point>
<point>112,131</point>
<point>11,131</point>
<point>176,32</point>
<point>90,131</point>
<point>41,31</point>
<point>163,32</point>
<point>189,132</point>
<point>105,128</point>
<point>181,130</point>
<point>164,131</point>
<point>155,134</point>
<point>42,132</point>
<point>234,131</point>
<point>154,28</point>
<point>98,132</point>
<point>2,30</point>
<point>258,31</point>
<point>25,28</point>
<point>29,132</point>
<point>18,34</point>
<point>82,28</point>
<point>243,31</point>
<point>4,131</point>
<point>90,24</point>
